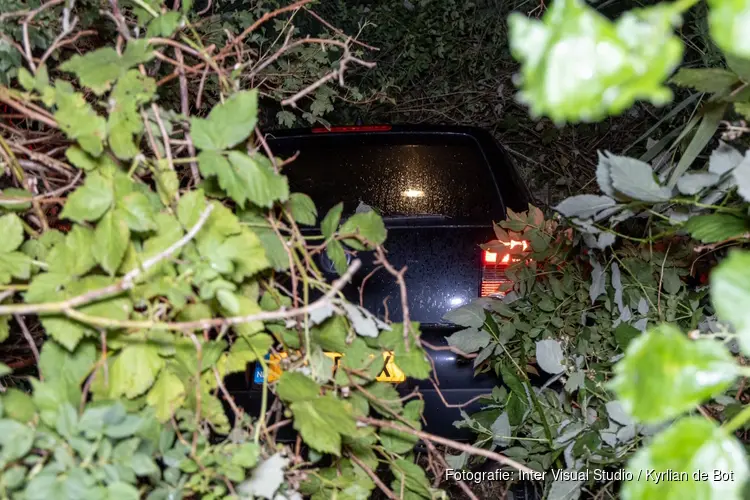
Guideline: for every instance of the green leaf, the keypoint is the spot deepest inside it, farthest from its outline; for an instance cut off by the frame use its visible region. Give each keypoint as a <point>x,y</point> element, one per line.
<point>713,80</point>
<point>16,202</point>
<point>111,240</point>
<point>730,294</point>
<point>577,65</point>
<point>302,208</point>
<point>692,445</point>
<point>137,212</point>
<point>12,230</point>
<point>585,205</point>
<point>727,21</point>
<point>246,455</point>
<point>711,228</point>
<point>413,362</point>
<point>79,121</point>
<point>5,370</point>
<point>190,207</point>
<point>412,476</point>
<point>90,201</point>
<point>25,79</point>
<point>633,178</point>
<point>245,178</point>
<point>81,159</point>
<point>402,442</point>
<point>16,440</point>
<point>368,226</point>
<point>18,405</point>
<point>122,491</point>
<point>294,387</point>
<point>469,340</point>
<point>132,90</point>
<point>99,68</point>
<point>227,124</point>
<point>387,398</point>
<point>134,370</point>
<point>73,255</point>
<point>743,109</point>
<point>167,395</point>
<point>247,349</point>
<point>694,371</point>
<point>470,315</point>
<point>549,356</point>
<point>164,25</point>
<point>167,183</point>
<point>335,251</point>
<point>322,421</point>
<point>331,221</point>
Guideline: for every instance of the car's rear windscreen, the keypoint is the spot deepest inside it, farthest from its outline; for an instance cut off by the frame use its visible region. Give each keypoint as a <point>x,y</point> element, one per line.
<point>403,174</point>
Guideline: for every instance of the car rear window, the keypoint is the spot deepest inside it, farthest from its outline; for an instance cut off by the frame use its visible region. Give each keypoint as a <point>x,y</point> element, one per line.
<point>398,174</point>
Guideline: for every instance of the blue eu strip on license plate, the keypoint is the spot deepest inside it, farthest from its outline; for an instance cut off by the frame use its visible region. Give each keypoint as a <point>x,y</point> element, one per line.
<point>258,376</point>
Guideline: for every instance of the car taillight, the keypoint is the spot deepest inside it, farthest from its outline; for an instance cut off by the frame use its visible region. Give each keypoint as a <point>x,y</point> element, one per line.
<point>493,268</point>
<point>357,128</point>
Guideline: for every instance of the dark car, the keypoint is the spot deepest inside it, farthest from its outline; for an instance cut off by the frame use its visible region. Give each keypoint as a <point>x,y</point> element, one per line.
<point>438,189</point>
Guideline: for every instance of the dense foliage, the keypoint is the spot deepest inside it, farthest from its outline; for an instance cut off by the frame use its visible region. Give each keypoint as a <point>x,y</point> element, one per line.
<point>617,317</point>
<point>149,233</point>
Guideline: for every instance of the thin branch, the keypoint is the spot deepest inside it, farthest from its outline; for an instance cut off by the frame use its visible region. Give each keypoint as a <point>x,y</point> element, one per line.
<point>185,107</point>
<point>399,275</point>
<point>29,339</point>
<point>338,31</point>
<point>473,450</point>
<point>375,479</point>
<point>467,491</point>
<point>25,27</point>
<point>126,283</point>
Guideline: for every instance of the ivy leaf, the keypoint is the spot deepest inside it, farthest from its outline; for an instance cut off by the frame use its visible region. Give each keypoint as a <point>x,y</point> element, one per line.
<point>99,68</point>
<point>12,230</point>
<point>134,370</point>
<point>692,444</point>
<point>549,356</point>
<point>663,357</point>
<point>712,80</point>
<point>711,228</point>
<point>727,22</point>
<point>577,65</point>
<point>167,395</point>
<point>322,421</point>
<point>90,201</point>
<point>730,294</point>
<point>295,387</point>
<point>227,124</point>
<point>469,340</point>
<point>303,209</point>
<point>111,241</point>
<point>368,226</point>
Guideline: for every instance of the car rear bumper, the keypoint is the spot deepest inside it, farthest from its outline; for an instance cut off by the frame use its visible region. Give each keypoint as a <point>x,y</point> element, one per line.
<point>445,399</point>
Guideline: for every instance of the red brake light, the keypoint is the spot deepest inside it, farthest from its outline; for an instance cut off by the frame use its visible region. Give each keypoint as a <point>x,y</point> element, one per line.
<point>493,268</point>
<point>359,128</point>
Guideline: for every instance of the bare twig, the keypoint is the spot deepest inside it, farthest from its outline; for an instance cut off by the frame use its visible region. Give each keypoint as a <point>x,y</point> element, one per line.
<point>336,30</point>
<point>25,27</point>
<point>185,107</point>
<point>399,275</point>
<point>29,339</point>
<point>375,479</point>
<point>467,491</point>
<point>473,450</point>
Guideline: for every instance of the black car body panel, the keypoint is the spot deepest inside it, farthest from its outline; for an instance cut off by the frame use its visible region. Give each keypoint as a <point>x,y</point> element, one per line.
<point>440,248</point>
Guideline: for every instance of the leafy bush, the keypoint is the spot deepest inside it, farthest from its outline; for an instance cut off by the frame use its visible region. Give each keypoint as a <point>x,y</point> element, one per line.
<point>176,260</point>
<point>605,311</point>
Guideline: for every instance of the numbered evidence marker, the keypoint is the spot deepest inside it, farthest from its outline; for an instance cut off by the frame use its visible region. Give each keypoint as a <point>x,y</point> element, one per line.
<point>391,373</point>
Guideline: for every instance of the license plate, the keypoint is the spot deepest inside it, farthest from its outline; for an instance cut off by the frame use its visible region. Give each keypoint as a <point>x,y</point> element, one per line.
<point>391,373</point>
